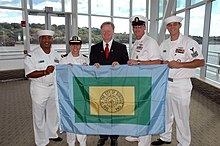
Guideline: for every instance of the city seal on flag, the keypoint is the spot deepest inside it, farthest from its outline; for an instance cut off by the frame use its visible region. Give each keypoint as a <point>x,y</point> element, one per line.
<point>112,101</point>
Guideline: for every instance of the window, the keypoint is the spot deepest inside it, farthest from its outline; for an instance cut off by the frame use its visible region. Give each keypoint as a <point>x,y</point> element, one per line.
<point>11,39</point>
<point>35,23</point>
<point>139,7</point>
<point>121,8</point>
<point>10,3</point>
<point>58,26</point>
<point>40,5</point>
<point>121,31</point>
<point>68,5</point>
<point>83,6</point>
<point>162,4</point>
<point>214,40</point>
<point>196,23</point>
<point>180,4</point>
<point>101,7</point>
<point>96,31</point>
<point>10,29</point>
<point>83,30</point>
<point>183,24</point>
<point>195,1</point>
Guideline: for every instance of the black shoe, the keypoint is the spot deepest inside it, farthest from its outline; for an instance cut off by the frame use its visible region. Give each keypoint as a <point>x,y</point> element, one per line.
<point>56,139</point>
<point>160,142</point>
<point>101,142</point>
<point>114,142</point>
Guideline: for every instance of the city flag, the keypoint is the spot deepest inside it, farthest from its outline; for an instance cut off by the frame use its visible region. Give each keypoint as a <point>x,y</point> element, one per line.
<point>121,100</point>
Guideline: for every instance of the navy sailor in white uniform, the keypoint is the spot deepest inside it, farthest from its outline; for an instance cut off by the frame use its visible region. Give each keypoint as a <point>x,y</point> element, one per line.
<point>144,51</point>
<point>183,55</point>
<point>75,57</point>
<point>40,69</point>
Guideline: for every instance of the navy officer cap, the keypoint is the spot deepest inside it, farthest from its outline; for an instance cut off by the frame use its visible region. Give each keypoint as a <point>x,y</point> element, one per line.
<point>75,40</point>
<point>138,20</point>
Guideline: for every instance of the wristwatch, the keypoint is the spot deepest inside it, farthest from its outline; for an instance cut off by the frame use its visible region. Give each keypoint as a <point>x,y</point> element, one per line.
<point>139,62</point>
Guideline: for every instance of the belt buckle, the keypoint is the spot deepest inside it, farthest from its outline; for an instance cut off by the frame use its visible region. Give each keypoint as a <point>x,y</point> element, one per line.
<point>170,79</point>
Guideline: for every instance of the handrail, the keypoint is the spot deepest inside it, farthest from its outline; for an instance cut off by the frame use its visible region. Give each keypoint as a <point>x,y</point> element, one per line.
<point>214,52</point>
<point>213,65</point>
<point>84,50</point>
<point>10,55</point>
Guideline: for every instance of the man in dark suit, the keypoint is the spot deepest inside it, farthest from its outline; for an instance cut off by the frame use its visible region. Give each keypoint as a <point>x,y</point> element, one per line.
<point>108,52</point>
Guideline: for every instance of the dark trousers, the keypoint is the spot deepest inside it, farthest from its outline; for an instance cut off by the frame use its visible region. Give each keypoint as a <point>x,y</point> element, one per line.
<point>111,136</point>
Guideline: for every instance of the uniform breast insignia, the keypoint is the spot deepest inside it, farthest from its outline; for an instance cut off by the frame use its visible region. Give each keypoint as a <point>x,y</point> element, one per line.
<point>56,60</point>
<point>41,61</point>
<point>139,47</point>
<point>136,19</point>
<point>194,53</point>
<point>180,50</point>
<point>111,101</point>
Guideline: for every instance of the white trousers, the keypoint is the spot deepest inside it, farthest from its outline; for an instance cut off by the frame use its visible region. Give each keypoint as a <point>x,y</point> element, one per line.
<point>178,101</point>
<point>144,140</point>
<point>45,114</point>
<point>71,139</point>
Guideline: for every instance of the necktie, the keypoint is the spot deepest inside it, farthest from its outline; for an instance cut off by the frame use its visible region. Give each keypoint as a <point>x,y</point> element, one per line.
<point>106,51</point>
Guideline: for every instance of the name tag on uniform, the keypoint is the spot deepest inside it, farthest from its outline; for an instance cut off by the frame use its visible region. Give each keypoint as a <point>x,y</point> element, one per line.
<point>180,50</point>
<point>41,61</point>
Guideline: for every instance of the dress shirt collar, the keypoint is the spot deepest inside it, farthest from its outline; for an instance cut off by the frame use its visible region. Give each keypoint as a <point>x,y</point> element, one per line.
<point>109,44</point>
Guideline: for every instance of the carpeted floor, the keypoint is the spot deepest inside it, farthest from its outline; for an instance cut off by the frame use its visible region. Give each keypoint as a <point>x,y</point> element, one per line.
<point>16,118</point>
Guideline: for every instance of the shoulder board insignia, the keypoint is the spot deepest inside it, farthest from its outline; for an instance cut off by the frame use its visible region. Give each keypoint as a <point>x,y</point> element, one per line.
<point>64,55</point>
<point>28,55</point>
<point>85,55</point>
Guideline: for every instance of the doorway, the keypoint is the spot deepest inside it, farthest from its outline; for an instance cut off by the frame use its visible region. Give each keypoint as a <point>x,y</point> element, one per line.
<point>56,22</point>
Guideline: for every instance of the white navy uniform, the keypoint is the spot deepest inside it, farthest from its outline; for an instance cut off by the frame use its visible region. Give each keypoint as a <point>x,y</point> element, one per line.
<point>82,60</point>
<point>184,49</point>
<point>43,95</point>
<point>144,49</point>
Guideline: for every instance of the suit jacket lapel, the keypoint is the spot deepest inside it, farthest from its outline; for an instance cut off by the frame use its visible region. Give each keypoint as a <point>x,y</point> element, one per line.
<point>112,47</point>
<point>100,48</point>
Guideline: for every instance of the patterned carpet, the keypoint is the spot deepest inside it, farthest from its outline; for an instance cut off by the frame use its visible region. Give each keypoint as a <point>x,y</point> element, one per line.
<point>17,130</point>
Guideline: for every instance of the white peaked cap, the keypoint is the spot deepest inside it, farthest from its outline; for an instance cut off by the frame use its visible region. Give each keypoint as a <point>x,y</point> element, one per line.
<point>172,19</point>
<point>45,32</point>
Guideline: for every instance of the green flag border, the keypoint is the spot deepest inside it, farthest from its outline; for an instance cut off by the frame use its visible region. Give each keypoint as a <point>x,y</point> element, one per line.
<point>143,87</point>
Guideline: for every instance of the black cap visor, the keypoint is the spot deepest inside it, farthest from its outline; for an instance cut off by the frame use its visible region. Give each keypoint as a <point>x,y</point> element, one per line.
<point>75,42</point>
<point>138,23</point>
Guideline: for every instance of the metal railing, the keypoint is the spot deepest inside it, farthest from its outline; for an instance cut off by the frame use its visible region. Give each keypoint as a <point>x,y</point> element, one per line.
<point>214,67</point>
<point>10,55</point>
